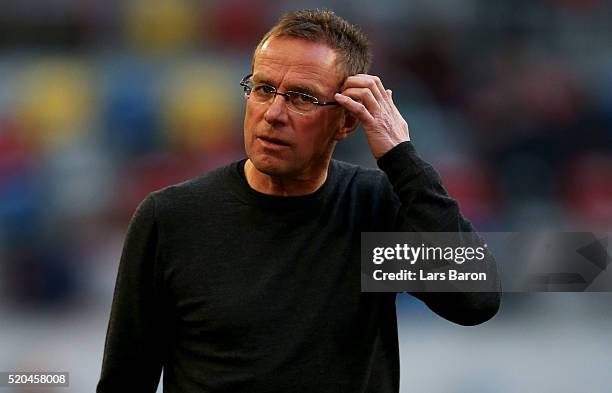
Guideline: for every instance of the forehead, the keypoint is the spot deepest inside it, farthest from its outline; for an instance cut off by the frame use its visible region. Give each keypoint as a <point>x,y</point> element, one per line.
<point>291,61</point>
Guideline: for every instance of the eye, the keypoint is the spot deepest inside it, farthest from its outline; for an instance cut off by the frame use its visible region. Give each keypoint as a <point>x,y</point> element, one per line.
<point>264,89</point>
<point>304,98</point>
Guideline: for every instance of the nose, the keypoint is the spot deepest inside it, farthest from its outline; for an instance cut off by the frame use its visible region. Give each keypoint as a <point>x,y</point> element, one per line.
<point>277,110</point>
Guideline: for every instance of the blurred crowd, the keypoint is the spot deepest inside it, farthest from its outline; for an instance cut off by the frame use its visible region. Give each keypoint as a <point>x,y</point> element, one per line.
<point>104,102</point>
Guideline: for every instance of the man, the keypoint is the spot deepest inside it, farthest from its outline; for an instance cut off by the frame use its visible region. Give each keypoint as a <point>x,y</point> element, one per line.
<point>247,279</point>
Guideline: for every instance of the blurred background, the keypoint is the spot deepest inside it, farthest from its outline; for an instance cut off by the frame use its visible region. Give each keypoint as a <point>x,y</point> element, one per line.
<point>104,102</point>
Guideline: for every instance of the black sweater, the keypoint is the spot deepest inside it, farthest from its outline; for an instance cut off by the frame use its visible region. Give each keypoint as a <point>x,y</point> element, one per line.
<point>230,290</point>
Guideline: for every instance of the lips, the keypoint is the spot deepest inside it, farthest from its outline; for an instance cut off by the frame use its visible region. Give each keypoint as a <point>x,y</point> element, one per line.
<point>266,140</point>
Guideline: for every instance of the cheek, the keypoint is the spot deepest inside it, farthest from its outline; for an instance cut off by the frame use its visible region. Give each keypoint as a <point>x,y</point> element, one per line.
<point>329,128</point>
<point>316,137</point>
<point>250,120</point>
<point>248,130</point>
<point>248,114</point>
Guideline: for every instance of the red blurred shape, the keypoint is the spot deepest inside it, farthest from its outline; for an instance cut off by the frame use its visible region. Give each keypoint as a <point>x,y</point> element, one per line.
<point>588,190</point>
<point>240,24</point>
<point>15,154</point>
<point>474,188</point>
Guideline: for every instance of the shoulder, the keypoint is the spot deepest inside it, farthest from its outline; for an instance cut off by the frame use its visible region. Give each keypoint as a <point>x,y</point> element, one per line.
<point>369,192</point>
<point>360,177</point>
<point>195,192</point>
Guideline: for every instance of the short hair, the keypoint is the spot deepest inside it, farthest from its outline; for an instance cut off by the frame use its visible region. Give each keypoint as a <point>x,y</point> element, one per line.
<point>348,41</point>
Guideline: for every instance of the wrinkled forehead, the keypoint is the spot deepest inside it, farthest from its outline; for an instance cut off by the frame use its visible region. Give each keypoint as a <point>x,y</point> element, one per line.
<point>280,57</point>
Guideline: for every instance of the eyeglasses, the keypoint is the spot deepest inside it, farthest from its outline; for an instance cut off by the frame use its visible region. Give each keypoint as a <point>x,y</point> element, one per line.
<point>297,102</point>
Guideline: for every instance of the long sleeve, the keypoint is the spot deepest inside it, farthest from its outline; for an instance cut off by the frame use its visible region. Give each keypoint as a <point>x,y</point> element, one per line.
<point>133,352</point>
<point>426,207</point>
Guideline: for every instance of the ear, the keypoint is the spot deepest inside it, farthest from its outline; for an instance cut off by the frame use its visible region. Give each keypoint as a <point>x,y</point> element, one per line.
<point>348,124</point>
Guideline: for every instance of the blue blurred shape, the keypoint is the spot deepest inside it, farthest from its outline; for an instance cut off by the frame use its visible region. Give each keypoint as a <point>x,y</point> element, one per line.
<point>130,122</point>
<point>21,205</point>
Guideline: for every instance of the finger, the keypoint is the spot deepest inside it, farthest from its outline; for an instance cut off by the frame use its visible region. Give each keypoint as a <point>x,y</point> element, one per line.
<point>390,95</point>
<point>356,108</point>
<point>377,81</point>
<point>365,96</point>
<point>366,81</point>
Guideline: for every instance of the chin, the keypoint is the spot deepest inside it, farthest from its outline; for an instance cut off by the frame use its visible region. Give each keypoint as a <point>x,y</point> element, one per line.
<point>271,166</point>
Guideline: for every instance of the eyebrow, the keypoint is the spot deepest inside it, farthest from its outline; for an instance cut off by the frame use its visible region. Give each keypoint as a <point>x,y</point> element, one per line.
<point>303,89</point>
<point>300,88</point>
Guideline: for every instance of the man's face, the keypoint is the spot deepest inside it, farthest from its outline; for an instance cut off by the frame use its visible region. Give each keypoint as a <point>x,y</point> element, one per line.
<point>278,141</point>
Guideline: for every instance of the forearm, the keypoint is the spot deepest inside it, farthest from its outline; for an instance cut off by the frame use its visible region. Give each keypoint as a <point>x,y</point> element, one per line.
<point>425,206</point>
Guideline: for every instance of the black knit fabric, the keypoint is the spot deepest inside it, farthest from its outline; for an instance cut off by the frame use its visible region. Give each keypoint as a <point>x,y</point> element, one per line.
<point>231,290</point>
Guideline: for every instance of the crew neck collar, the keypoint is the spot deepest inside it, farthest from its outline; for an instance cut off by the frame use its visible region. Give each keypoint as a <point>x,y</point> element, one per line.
<point>252,196</point>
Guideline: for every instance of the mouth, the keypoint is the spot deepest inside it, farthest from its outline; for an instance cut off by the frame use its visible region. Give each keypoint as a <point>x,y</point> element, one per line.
<point>272,142</point>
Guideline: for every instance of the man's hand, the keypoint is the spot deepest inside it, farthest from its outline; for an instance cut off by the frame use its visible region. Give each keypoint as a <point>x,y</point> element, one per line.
<point>365,97</point>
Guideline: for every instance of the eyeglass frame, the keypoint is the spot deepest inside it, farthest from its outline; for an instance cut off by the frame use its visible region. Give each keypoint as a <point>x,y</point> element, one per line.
<point>315,101</point>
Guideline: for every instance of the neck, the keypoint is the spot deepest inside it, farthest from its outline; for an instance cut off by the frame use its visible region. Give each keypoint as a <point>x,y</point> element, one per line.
<point>284,185</point>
